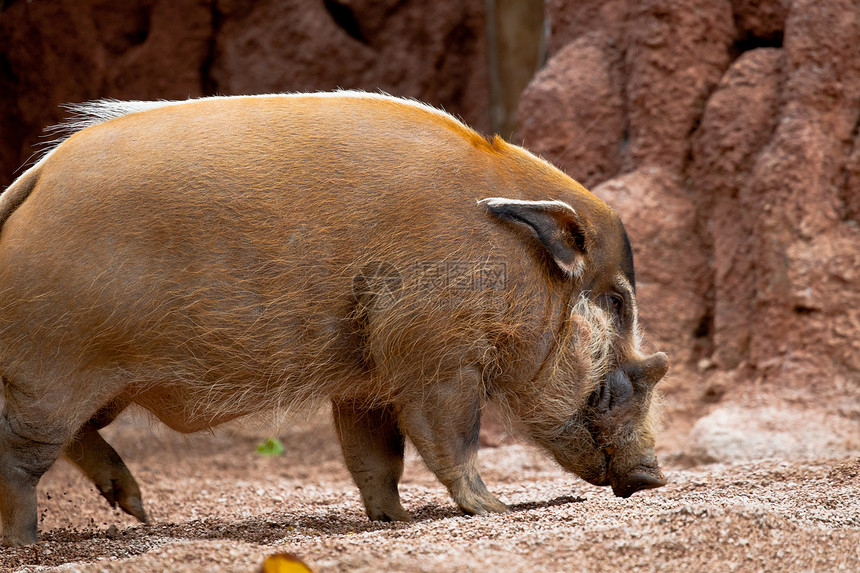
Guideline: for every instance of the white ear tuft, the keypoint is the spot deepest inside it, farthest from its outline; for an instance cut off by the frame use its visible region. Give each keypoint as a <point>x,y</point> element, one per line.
<point>555,224</point>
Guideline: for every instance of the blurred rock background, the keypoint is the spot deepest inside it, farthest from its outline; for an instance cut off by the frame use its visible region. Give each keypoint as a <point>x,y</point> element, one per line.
<point>726,133</point>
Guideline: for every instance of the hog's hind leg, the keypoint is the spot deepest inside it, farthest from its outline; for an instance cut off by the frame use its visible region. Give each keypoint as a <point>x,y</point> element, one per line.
<point>26,452</point>
<point>444,427</point>
<point>372,447</point>
<point>103,466</point>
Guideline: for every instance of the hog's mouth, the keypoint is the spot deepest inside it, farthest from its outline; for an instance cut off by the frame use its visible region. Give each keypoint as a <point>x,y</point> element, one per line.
<point>624,483</point>
<point>599,475</point>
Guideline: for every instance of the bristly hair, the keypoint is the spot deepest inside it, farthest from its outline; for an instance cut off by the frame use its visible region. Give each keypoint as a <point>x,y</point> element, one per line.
<point>86,114</point>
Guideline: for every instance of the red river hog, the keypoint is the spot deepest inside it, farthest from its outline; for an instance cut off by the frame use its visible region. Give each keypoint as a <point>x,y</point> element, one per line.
<point>213,258</point>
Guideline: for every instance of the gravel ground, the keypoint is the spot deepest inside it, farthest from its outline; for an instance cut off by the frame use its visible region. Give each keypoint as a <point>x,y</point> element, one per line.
<point>218,506</point>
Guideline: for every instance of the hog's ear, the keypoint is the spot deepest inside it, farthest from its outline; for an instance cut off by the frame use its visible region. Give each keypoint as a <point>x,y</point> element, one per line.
<point>555,224</point>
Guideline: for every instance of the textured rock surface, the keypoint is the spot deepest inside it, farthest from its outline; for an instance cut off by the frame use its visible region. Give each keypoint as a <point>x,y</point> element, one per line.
<point>70,51</point>
<point>733,434</point>
<point>751,109</point>
<point>573,111</point>
<point>75,50</point>
<point>433,51</point>
<point>671,266</point>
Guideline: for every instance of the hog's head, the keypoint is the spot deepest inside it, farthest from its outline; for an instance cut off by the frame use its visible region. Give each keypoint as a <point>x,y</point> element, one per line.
<point>591,401</point>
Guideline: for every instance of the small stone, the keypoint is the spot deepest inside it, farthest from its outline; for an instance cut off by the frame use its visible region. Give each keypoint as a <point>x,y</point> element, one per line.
<point>112,532</point>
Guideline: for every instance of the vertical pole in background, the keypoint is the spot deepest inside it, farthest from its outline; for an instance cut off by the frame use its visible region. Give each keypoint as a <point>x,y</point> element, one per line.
<point>516,49</point>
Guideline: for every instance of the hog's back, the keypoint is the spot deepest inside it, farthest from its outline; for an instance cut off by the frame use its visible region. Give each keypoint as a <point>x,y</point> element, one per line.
<point>201,258</point>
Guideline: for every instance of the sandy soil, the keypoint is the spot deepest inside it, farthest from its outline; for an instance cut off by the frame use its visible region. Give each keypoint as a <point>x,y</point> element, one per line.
<point>218,506</point>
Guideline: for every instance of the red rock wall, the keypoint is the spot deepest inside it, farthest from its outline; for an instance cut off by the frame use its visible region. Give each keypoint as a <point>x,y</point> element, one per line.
<point>726,135</point>
<point>59,51</point>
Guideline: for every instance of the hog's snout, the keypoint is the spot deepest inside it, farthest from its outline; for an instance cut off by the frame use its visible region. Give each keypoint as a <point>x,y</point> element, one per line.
<point>634,467</point>
<point>641,477</point>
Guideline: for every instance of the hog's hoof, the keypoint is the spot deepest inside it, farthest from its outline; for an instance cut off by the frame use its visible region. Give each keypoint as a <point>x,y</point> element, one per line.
<point>18,540</point>
<point>482,505</point>
<point>134,507</point>
<point>121,490</point>
<point>388,514</point>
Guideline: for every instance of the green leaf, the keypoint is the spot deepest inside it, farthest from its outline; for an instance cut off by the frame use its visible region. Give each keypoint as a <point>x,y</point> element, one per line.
<point>271,447</point>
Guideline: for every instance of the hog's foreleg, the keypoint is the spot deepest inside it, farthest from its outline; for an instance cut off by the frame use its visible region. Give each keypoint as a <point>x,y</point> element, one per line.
<point>444,427</point>
<point>373,450</point>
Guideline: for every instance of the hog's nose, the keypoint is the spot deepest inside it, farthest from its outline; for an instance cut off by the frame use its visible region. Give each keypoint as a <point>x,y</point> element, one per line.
<point>642,477</point>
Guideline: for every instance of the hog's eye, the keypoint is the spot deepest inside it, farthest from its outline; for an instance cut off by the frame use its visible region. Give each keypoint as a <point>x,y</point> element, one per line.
<point>616,302</point>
